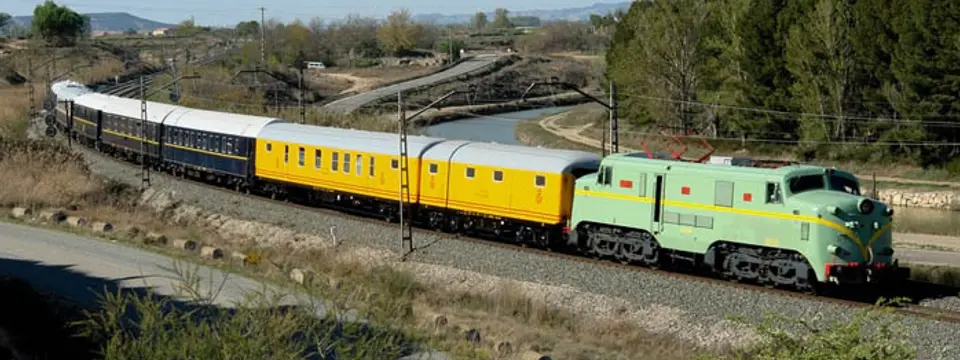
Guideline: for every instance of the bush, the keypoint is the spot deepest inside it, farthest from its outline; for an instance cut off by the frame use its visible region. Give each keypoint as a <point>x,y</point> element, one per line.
<point>871,334</point>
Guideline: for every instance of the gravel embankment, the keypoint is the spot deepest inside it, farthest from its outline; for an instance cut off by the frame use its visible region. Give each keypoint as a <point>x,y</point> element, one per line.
<point>681,307</point>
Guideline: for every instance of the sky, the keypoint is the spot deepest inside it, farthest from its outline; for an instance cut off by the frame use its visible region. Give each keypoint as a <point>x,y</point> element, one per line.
<point>228,12</point>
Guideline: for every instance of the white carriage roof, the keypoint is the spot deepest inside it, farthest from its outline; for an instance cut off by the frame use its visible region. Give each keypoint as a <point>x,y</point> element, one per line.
<point>69,89</point>
<point>219,122</point>
<point>359,140</point>
<point>126,107</point>
<point>512,156</point>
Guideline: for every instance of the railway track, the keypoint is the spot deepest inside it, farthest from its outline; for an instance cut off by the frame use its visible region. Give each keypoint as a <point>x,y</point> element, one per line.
<point>912,289</point>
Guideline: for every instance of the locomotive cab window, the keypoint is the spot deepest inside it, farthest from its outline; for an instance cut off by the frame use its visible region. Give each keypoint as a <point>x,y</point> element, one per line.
<point>498,176</point>
<point>434,168</point>
<point>471,173</point>
<point>605,177</point>
<point>540,181</point>
<point>773,193</point>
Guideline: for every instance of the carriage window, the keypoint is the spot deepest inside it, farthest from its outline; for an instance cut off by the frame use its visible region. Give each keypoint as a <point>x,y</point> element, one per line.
<point>371,165</point>
<point>433,168</point>
<point>269,147</point>
<point>230,146</point>
<point>346,163</point>
<point>286,153</point>
<point>541,181</point>
<point>335,164</point>
<point>359,164</point>
<point>773,194</point>
<point>300,157</point>
<point>498,176</point>
<point>317,156</point>
<point>470,173</point>
<point>394,164</point>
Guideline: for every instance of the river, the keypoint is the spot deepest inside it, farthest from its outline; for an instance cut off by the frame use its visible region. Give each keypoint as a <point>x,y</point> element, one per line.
<point>501,128</point>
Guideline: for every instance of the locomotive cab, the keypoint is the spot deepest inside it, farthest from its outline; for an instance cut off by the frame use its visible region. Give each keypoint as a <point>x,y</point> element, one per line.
<point>848,233</point>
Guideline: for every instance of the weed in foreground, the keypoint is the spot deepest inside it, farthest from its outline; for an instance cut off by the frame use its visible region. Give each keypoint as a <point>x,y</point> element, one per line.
<point>869,335</point>
<point>259,326</point>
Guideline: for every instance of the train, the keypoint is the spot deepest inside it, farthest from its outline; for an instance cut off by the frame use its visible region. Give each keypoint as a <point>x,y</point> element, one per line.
<point>802,227</point>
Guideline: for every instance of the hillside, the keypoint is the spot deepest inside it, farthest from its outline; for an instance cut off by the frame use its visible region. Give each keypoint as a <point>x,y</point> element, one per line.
<point>114,21</point>
<point>573,14</point>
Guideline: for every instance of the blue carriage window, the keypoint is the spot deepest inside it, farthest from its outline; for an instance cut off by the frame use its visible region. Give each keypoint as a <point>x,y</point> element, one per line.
<point>230,149</point>
<point>346,163</point>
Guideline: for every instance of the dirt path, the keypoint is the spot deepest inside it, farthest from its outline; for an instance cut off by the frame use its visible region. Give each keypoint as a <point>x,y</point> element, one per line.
<point>549,124</point>
<point>359,84</point>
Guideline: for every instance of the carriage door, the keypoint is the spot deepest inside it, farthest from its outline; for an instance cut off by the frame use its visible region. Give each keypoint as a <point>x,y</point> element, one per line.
<point>658,190</point>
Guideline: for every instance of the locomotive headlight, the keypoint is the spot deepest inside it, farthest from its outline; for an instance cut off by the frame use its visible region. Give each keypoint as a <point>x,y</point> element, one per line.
<point>888,212</point>
<point>865,206</point>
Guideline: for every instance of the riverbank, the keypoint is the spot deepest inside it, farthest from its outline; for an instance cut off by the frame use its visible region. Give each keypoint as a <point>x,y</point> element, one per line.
<point>578,126</point>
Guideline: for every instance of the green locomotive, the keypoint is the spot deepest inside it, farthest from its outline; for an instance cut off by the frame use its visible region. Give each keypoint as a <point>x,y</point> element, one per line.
<point>796,226</point>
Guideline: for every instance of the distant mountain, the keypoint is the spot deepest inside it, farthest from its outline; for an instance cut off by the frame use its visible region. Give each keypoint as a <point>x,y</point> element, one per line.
<point>571,14</point>
<point>119,21</point>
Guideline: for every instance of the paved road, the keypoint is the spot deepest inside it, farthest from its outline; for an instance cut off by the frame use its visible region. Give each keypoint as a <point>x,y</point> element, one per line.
<point>929,257</point>
<point>80,268</point>
<point>352,103</point>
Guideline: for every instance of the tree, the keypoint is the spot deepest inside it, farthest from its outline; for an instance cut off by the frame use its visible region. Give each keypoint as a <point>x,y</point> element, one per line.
<point>820,57</point>
<point>479,21</point>
<point>248,28</point>
<point>58,24</point>
<point>664,56</point>
<point>399,34</point>
<point>4,19</point>
<point>130,32</point>
<point>501,19</point>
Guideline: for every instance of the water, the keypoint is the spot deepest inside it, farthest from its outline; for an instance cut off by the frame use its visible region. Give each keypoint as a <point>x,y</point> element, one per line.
<point>498,128</point>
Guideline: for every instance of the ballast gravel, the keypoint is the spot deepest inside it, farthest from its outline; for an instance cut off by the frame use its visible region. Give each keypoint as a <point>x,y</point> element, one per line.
<point>698,312</point>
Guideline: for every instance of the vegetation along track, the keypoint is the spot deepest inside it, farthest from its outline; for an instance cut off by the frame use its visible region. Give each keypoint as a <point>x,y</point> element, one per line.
<point>913,290</point>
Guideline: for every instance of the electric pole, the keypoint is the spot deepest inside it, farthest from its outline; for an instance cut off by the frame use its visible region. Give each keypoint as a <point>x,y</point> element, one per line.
<point>611,106</point>
<point>263,53</point>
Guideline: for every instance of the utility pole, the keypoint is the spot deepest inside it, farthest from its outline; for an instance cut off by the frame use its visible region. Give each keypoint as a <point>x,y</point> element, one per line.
<point>611,106</point>
<point>303,112</point>
<point>406,227</point>
<point>144,169</point>
<point>263,29</point>
<point>32,97</point>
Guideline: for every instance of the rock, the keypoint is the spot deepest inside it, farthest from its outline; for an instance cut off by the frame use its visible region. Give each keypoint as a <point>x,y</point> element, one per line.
<point>101,227</point>
<point>153,238</point>
<point>239,257</point>
<point>76,221</point>
<point>301,276</point>
<point>52,215</point>
<point>211,252</point>
<point>20,212</point>
<point>184,244</point>
<point>533,355</point>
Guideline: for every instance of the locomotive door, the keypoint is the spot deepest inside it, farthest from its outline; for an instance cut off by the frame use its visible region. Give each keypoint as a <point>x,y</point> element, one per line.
<point>658,191</point>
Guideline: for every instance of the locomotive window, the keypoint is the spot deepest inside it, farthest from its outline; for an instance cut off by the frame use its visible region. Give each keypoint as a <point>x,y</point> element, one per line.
<point>371,165</point>
<point>394,164</point>
<point>773,194</point>
<point>843,184</point>
<point>471,172</point>
<point>335,164</point>
<point>540,181</point>
<point>498,176</point>
<point>346,163</point>
<point>286,153</point>
<point>805,183</point>
<point>300,157</point>
<point>317,157</point>
<point>359,164</point>
<point>433,168</point>
<point>606,175</point>
<point>723,193</point>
